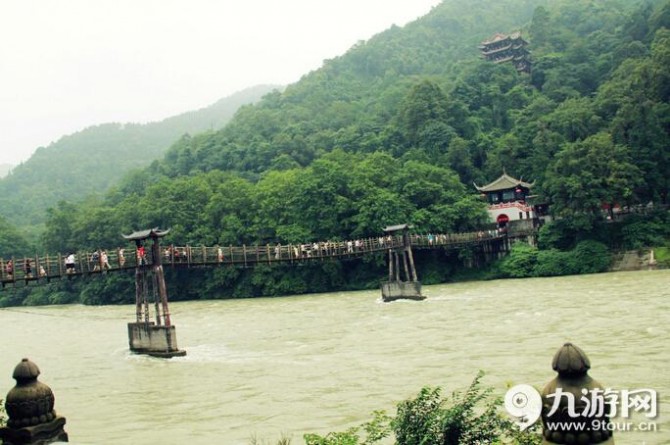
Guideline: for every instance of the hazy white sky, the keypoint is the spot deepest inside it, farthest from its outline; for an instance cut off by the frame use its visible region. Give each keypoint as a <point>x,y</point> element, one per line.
<point>69,64</point>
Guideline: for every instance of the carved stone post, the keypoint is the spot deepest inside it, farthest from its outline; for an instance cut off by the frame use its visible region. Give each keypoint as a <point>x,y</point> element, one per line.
<point>30,407</point>
<point>566,418</point>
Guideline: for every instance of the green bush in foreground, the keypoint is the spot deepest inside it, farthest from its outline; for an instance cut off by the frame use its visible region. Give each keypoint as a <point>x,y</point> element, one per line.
<point>468,418</point>
<point>377,429</point>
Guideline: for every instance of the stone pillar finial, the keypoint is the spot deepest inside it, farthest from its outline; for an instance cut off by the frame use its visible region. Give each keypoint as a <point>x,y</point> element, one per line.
<point>565,419</point>
<point>30,407</point>
<point>570,360</point>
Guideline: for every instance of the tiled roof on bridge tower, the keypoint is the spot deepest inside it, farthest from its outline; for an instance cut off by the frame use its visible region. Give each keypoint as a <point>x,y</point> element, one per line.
<point>397,227</point>
<point>144,234</point>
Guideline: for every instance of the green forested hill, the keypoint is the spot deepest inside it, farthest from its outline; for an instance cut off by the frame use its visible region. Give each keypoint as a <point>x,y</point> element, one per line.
<point>397,129</point>
<point>89,161</point>
<point>424,87</point>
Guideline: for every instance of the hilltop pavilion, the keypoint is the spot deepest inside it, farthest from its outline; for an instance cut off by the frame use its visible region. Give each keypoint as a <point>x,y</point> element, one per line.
<point>502,48</point>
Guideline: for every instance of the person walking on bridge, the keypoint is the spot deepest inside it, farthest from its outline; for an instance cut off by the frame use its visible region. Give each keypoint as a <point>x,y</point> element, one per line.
<point>95,261</point>
<point>9,269</point>
<point>141,255</point>
<point>69,264</point>
<point>104,260</point>
<point>27,269</point>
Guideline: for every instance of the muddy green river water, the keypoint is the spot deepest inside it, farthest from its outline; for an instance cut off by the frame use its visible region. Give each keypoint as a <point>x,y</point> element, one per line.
<point>271,367</point>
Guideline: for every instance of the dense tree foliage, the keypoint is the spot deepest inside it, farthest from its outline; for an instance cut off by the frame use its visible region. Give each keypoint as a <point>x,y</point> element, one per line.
<point>398,128</point>
<point>11,241</point>
<point>527,261</point>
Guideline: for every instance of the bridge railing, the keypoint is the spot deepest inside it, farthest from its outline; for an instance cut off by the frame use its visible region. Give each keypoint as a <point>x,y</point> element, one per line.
<point>271,253</point>
<point>451,239</point>
<point>56,266</point>
<point>87,263</point>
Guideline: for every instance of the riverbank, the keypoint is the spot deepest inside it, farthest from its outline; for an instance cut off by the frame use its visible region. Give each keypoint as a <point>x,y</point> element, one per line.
<point>641,259</point>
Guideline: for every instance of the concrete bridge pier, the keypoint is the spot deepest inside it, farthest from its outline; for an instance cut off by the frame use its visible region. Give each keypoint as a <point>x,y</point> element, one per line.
<point>150,339</point>
<point>157,337</point>
<point>396,288</point>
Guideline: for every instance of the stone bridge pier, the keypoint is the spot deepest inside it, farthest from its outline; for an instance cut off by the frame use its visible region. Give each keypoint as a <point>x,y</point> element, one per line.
<point>158,336</point>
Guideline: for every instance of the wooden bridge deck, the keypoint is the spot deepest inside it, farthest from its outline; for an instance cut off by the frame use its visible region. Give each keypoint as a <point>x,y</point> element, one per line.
<point>48,267</point>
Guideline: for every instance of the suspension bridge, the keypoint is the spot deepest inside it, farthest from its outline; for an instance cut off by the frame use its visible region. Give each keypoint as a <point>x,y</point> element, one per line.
<point>45,268</point>
<point>155,334</point>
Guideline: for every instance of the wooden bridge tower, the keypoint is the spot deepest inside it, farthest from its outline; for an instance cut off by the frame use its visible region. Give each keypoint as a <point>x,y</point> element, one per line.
<point>396,287</point>
<point>157,337</point>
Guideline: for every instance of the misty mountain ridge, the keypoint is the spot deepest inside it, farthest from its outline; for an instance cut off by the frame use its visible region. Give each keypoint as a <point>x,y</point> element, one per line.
<point>5,169</point>
<point>93,159</point>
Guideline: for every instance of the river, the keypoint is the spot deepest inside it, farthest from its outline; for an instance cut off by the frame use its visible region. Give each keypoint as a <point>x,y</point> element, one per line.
<point>268,368</point>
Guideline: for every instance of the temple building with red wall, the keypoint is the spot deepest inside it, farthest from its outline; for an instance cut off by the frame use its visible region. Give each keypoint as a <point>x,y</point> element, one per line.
<point>508,200</point>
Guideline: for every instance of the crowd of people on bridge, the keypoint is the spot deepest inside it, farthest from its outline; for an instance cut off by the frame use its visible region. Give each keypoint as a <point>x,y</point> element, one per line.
<point>45,267</point>
<point>8,269</point>
<point>101,260</point>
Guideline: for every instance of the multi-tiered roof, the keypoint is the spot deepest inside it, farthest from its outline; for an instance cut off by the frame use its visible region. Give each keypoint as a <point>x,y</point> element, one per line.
<point>503,48</point>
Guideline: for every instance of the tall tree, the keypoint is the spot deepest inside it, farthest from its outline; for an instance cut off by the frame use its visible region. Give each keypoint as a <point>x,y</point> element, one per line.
<point>58,234</point>
<point>590,174</point>
<point>11,241</point>
<point>425,104</point>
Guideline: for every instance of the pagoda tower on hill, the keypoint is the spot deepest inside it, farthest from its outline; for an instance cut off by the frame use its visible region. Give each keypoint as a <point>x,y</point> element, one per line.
<point>502,48</point>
